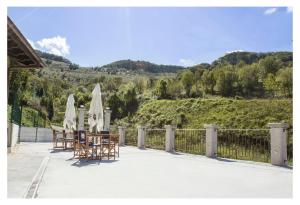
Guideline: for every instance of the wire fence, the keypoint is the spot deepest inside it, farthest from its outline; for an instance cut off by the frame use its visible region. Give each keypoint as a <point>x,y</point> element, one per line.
<point>190,141</point>
<point>155,138</point>
<point>290,146</point>
<point>244,144</point>
<point>131,136</point>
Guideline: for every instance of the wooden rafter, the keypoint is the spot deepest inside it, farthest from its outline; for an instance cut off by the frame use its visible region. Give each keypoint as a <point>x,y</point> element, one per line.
<point>20,50</point>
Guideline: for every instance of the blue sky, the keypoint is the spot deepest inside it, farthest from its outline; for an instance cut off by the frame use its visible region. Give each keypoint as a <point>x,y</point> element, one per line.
<point>178,36</point>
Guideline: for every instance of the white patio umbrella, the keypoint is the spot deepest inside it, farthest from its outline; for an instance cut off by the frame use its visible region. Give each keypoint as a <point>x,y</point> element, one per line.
<point>70,115</point>
<point>96,110</point>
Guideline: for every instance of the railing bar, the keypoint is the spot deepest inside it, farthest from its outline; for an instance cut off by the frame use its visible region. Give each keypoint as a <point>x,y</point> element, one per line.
<point>234,129</point>
<point>190,129</point>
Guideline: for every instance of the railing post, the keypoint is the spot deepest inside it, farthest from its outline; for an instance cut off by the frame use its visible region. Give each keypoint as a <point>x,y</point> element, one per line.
<point>122,135</point>
<point>107,119</point>
<point>170,138</point>
<point>81,117</point>
<point>211,140</point>
<point>278,143</point>
<point>141,136</point>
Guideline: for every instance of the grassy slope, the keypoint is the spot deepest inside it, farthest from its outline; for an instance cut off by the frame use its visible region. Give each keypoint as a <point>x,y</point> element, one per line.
<point>227,113</point>
<point>29,115</point>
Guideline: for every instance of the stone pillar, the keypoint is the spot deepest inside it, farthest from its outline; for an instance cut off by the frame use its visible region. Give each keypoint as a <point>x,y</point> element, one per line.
<point>122,135</point>
<point>170,138</point>
<point>141,136</point>
<point>81,117</point>
<point>278,143</point>
<point>211,140</point>
<point>107,119</point>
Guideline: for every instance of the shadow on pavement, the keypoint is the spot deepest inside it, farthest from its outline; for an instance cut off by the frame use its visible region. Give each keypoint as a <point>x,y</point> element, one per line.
<point>175,153</point>
<point>60,150</point>
<point>223,160</point>
<point>84,162</point>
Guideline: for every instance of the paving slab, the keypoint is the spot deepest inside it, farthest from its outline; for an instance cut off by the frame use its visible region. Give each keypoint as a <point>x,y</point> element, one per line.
<point>143,174</point>
<point>158,174</point>
<point>22,165</point>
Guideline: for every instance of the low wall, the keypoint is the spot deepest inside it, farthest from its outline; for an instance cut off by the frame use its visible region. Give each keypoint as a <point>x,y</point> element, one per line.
<point>35,134</point>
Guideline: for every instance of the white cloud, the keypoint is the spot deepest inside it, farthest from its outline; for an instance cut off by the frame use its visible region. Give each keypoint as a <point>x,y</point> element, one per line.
<point>186,62</point>
<point>289,9</point>
<point>270,11</point>
<point>56,45</point>
<point>234,51</point>
<point>31,43</point>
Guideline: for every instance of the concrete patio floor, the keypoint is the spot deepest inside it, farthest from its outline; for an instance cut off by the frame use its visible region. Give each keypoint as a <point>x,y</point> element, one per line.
<point>142,173</point>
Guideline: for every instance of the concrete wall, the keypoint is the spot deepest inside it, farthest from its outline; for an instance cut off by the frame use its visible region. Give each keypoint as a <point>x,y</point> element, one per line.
<point>32,134</point>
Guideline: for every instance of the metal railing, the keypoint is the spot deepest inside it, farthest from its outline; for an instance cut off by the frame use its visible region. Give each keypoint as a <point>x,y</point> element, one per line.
<point>190,141</point>
<point>241,144</point>
<point>155,138</point>
<point>131,136</point>
<point>244,144</point>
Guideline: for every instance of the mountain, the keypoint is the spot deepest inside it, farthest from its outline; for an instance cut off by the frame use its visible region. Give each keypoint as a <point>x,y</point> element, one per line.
<point>130,66</point>
<point>123,66</point>
<point>235,58</point>
<point>49,56</point>
<point>139,66</point>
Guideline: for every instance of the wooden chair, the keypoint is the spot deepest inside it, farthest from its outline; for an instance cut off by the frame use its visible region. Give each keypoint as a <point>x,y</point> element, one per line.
<point>93,146</point>
<point>80,150</point>
<point>57,138</point>
<point>108,148</point>
<point>68,140</point>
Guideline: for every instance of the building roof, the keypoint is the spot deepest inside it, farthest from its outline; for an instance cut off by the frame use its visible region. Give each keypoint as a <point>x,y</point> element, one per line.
<point>19,50</point>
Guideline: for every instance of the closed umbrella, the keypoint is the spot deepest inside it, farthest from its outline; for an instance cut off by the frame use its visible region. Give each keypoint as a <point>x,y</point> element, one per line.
<point>70,115</point>
<point>96,110</point>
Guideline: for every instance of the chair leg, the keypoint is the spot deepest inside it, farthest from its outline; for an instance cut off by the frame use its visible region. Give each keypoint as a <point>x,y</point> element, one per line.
<point>114,152</point>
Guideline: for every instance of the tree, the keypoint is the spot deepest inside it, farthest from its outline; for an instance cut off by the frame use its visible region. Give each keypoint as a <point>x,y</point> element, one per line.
<point>208,82</point>
<point>284,79</point>
<point>73,66</point>
<point>267,65</point>
<point>248,80</point>
<point>17,82</point>
<point>50,109</point>
<point>174,89</point>
<point>116,105</point>
<point>226,82</point>
<point>48,62</point>
<point>270,85</point>
<point>161,89</point>
<point>198,74</point>
<point>130,100</point>
<point>150,82</point>
<point>140,84</point>
<point>187,80</point>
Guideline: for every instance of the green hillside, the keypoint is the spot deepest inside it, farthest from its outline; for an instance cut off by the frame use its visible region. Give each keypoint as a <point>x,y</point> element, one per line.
<point>139,67</point>
<point>269,76</point>
<point>227,113</point>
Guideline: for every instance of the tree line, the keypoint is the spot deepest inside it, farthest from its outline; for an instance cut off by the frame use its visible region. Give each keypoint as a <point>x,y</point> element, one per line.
<point>270,76</point>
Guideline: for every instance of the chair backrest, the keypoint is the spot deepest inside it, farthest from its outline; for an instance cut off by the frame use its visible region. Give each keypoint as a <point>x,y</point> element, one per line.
<point>79,135</point>
<point>105,134</point>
